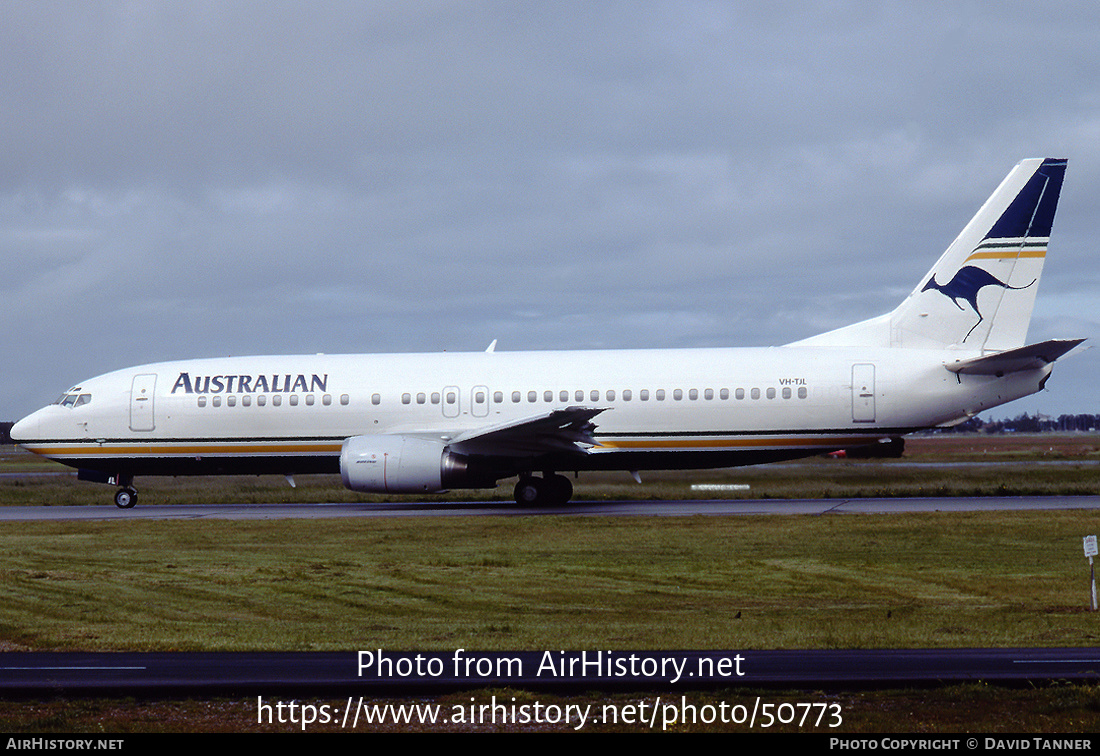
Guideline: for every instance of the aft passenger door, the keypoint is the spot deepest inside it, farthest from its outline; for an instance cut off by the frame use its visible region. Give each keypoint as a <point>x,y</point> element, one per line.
<point>863,393</point>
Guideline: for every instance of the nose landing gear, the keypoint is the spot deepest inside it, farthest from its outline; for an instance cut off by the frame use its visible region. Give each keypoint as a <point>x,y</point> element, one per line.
<point>125,497</point>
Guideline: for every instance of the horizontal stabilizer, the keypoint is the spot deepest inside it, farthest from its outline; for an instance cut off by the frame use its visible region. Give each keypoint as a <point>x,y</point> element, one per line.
<point>1030,357</point>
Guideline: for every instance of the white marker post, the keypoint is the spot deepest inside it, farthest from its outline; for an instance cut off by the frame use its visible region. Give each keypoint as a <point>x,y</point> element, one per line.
<point>1090,552</point>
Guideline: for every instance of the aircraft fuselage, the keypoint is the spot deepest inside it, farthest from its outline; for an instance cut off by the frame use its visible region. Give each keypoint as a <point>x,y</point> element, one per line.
<point>662,409</point>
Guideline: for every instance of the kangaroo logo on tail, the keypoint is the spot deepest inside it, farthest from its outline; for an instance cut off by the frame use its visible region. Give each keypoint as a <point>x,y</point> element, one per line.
<point>965,285</point>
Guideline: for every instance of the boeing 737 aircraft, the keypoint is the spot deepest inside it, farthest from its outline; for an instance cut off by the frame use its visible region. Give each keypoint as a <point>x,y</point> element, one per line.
<point>426,423</point>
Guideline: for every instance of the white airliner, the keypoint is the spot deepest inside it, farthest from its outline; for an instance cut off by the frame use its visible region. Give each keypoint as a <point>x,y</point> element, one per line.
<point>426,423</point>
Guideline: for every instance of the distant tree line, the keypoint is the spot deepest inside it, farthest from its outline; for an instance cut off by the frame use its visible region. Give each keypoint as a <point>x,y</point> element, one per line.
<point>1025,423</point>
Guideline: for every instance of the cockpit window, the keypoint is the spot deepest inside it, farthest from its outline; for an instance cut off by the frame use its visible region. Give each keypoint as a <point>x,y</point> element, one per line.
<point>73,400</point>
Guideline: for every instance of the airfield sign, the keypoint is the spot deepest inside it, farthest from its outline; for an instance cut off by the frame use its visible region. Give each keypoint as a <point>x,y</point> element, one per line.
<point>1090,552</point>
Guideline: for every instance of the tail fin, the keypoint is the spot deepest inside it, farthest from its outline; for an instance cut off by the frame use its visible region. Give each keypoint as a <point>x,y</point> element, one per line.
<point>979,295</point>
<point>981,292</point>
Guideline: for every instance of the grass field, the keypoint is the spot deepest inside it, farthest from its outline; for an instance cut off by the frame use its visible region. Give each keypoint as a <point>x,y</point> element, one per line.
<point>915,580</point>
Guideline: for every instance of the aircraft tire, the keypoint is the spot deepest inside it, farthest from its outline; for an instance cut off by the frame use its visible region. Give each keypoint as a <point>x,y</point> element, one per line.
<point>547,491</point>
<point>529,492</point>
<point>558,490</point>
<point>125,498</point>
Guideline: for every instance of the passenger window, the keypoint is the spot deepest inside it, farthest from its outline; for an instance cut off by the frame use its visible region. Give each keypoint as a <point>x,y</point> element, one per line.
<point>277,400</point>
<point>724,394</point>
<point>626,395</point>
<point>644,395</point>
<point>406,398</point>
<point>246,401</point>
<point>202,401</point>
<point>548,396</point>
<point>376,399</point>
<point>515,397</point>
<point>771,393</point>
<point>563,396</point>
<point>344,399</point>
<point>578,395</point>
<point>708,394</point>
<point>452,397</point>
<point>498,397</point>
<point>787,392</point>
<point>435,397</point>
<point>216,401</point>
<point>309,400</point>
<point>261,400</point>
<point>740,393</point>
<point>230,401</point>
<point>532,396</point>
<point>693,394</point>
<point>755,393</point>
<point>660,395</point>
<point>678,394</point>
<point>801,392</point>
<point>326,400</point>
<point>421,398</point>
<point>594,395</point>
<point>293,400</point>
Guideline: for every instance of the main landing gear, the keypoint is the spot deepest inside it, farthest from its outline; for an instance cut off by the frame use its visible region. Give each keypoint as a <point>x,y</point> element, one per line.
<point>126,498</point>
<point>551,490</point>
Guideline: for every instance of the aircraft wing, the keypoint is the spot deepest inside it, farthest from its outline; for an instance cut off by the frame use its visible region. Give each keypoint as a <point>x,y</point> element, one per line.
<point>1030,357</point>
<point>562,430</point>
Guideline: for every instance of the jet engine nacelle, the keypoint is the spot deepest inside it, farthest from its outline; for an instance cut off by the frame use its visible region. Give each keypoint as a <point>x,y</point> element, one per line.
<point>401,464</point>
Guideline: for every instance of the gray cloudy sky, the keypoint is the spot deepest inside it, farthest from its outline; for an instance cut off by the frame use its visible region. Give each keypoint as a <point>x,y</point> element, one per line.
<point>191,179</point>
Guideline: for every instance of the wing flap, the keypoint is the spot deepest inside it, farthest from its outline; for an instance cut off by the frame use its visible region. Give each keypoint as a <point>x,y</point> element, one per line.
<point>562,430</point>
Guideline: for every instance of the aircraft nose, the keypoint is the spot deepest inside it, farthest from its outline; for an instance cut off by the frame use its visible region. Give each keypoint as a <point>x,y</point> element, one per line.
<point>25,430</point>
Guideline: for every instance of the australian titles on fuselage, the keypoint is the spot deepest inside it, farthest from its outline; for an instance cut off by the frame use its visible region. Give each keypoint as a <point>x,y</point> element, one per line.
<point>251,384</point>
<point>426,423</point>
